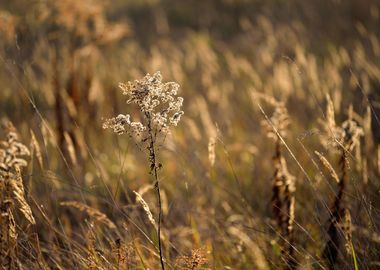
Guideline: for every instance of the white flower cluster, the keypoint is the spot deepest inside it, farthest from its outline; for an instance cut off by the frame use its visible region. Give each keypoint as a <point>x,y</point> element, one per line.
<point>122,124</point>
<point>157,101</point>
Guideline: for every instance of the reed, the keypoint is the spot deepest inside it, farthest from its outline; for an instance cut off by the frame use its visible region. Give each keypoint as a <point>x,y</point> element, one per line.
<point>344,138</point>
<point>283,184</point>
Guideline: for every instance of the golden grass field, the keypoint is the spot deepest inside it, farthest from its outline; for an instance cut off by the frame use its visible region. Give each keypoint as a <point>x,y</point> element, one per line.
<point>215,134</point>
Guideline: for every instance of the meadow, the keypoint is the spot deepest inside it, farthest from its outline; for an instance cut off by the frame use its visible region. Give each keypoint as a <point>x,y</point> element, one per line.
<point>163,134</point>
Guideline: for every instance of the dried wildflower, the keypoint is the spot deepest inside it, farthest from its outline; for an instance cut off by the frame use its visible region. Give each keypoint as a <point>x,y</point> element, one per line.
<point>160,108</point>
<point>157,101</point>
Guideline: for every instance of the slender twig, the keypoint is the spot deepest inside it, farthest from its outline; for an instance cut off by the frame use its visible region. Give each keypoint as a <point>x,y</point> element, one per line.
<point>154,171</point>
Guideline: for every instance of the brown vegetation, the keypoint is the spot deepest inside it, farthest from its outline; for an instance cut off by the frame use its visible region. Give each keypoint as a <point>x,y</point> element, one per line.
<point>188,179</point>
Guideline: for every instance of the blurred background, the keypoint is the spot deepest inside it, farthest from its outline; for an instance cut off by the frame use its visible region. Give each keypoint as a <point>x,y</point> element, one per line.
<point>62,61</point>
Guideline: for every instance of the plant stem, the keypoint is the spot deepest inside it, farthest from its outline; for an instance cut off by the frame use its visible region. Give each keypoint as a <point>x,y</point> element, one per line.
<point>332,247</point>
<point>159,216</point>
<point>153,169</point>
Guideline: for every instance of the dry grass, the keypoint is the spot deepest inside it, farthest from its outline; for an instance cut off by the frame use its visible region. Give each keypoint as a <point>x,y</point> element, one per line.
<point>274,164</point>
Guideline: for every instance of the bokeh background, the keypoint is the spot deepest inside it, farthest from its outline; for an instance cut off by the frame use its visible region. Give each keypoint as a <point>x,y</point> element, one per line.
<point>61,63</point>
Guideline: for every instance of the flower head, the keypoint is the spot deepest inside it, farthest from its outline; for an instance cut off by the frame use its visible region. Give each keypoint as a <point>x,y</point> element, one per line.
<point>157,101</point>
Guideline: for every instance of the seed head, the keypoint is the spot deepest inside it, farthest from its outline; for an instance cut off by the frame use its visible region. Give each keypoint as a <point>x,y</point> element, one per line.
<point>279,120</point>
<point>157,101</point>
<point>12,152</point>
<point>346,135</point>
